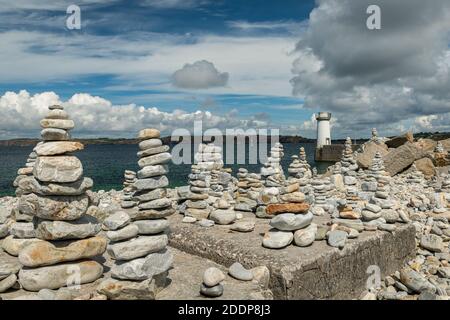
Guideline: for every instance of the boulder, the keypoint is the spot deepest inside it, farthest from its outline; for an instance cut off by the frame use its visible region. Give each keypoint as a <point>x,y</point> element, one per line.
<point>400,158</point>
<point>368,151</point>
<point>400,140</point>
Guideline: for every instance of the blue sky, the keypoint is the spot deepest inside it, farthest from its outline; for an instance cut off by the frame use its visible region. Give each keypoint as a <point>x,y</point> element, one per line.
<point>176,25</point>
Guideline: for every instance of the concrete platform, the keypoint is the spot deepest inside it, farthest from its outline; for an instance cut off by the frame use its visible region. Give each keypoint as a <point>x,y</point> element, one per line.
<point>315,272</point>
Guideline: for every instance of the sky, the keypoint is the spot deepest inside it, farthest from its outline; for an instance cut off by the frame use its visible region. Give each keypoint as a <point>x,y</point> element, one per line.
<point>250,64</point>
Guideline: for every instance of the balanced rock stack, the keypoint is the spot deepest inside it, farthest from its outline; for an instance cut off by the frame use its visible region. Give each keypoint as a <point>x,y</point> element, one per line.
<point>294,168</point>
<point>415,176</point>
<point>249,186</point>
<point>223,212</point>
<point>25,172</point>
<point>291,221</point>
<point>138,240</point>
<point>197,204</point>
<point>337,179</point>
<point>273,172</point>
<point>440,155</point>
<point>56,196</point>
<point>376,171</point>
<point>374,135</point>
<point>349,165</point>
<point>128,190</point>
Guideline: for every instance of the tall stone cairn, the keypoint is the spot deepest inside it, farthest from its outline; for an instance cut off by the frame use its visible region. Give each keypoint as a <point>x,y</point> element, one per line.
<point>349,165</point>
<point>56,197</point>
<point>138,239</point>
<point>128,190</point>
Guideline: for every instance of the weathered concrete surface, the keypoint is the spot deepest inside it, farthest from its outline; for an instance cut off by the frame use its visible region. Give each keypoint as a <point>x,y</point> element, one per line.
<point>315,272</point>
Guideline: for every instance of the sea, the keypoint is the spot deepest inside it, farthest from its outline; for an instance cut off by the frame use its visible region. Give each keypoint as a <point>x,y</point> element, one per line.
<point>106,163</point>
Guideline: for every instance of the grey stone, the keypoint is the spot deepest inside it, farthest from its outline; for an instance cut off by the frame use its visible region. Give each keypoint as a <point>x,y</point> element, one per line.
<point>54,134</point>
<point>7,283</point>
<point>426,295</point>
<point>188,219</point>
<point>4,230</point>
<point>138,247</point>
<point>387,227</point>
<point>143,268</point>
<point>57,123</point>
<point>213,277</point>
<point>305,237</point>
<point>368,215</point>
<point>152,226</point>
<point>79,187</point>
<point>275,239</point>
<point>22,230</point>
<point>151,195</point>
<point>223,216</point>
<point>151,183</point>
<point>152,171</point>
<point>117,220</point>
<point>54,207</point>
<point>86,226</point>
<point>57,276</point>
<point>132,290</point>
<point>152,151</point>
<point>432,242</point>
<point>337,238</point>
<point>5,214</point>
<point>60,169</point>
<point>290,221</point>
<point>391,216</point>
<point>238,271</point>
<point>151,213</point>
<point>212,292</point>
<point>54,148</point>
<point>206,223</point>
<point>161,158</point>
<point>125,233</point>
<point>415,281</point>
<point>156,204</point>
<point>13,246</point>
<point>149,143</point>
<point>243,226</point>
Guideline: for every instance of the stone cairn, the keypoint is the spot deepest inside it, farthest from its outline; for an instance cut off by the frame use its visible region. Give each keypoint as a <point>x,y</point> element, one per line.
<point>138,239</point>
<point>25,171</point>
<point>291,222</point>
<point>249,187</point>
<point>299,168</point>
<point>128,191</point>
<point>273,171</point>
<point>56,196</point>
<point>415,176</point>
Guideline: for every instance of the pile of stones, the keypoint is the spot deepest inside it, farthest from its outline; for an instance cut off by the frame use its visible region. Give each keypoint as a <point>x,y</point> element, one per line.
<point>25,172</point>
<point>138,240</point>
<point>415,176</point>
<point>349,166</point>
<point>273,172</point>
<point>290,222</point>
<point>212,283</point>
<point>56,197</point>
<point>128,191</point>
<point>249,187</point>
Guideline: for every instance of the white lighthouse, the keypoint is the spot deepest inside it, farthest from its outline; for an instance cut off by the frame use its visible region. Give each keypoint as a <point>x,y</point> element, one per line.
<point>323,129</point>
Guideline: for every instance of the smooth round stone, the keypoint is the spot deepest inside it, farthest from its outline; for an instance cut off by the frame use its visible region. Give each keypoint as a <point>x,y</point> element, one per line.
<point>138,247</point>
<point>150,143</point>
<point>152,171</point>
<point>213,277</point>
<point>54,134</point>
<point>128,232</point>
<point>57,276</point>
<point>58,124</point>
<point>57,114</point>
<point>337,238</point>
<point>223,217</point>
<point>7,283</point>
<point>151,213</point>
<point>222,204</point>
<point>59,169</point>
<point>45,253</point>
<point>206,223</point>
<point>160,158</point>
<point>188,219</point>
<point>373,207</point>
<point>275,239</point>
<point>151,226</point>
<point>116,220</point>
<point>243,226</point>
<point>238,271</point>
<point>149,134</point>
<point>290,221</point>
<point>387,227</point>
<point>52,148</point>
<point>391,216</point>
<point>305,237</point>
<point>212,292</point>
<point>65,208</point>
<point>370,215</point>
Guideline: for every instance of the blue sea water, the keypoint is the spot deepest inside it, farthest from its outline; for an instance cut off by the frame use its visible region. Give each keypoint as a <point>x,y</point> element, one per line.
<point>105,164</point>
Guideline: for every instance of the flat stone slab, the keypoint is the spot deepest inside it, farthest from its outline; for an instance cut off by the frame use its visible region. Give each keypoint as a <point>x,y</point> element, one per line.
<point>315,272</point>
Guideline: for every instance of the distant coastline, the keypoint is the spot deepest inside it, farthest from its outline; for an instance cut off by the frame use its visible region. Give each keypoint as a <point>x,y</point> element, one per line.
<point>26,142</point>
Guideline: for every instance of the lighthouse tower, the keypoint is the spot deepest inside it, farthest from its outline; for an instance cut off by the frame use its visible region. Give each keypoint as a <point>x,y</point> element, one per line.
<point>323,129</point>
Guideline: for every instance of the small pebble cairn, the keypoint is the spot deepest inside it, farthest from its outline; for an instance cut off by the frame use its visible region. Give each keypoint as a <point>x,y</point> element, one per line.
<point>291,222</point>
<point>415,176</point>
<point>138,239</point>
<point>66,245</point>
<point>25,172</point>
<point>349,167</point>
<point>212,283</point>
<point>128,190</point>
<point>272,171</point>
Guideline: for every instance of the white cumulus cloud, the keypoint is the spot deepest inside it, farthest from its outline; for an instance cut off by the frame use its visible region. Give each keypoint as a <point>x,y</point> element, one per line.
<point>199,75</point>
